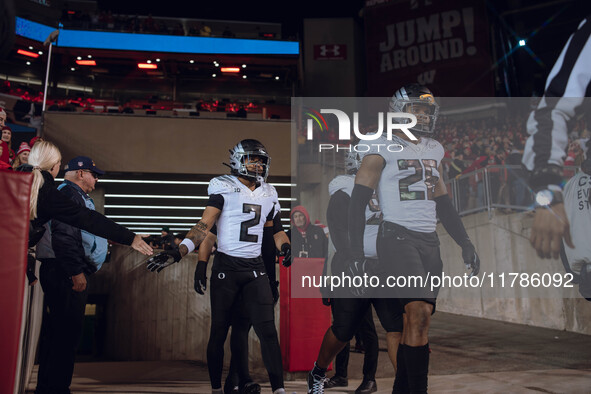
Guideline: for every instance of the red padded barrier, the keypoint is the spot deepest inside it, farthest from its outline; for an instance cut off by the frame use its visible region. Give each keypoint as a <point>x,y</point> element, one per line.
<point>303,321</point>
<point>14,236</point>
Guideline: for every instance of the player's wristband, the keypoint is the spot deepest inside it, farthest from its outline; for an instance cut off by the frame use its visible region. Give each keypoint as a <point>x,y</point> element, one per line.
<point>189,244</point>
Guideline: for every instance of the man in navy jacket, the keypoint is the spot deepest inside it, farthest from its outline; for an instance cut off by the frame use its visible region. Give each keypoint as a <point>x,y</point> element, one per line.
<point>78,254</point>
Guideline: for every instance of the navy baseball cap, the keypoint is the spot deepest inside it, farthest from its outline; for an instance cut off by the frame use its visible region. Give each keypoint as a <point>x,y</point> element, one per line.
<point>83,163</point>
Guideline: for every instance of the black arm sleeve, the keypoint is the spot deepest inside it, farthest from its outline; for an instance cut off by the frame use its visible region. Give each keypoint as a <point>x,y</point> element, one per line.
<point>55,205</point>
<point>277,226</point>
<point>359,199</point>
<point>451,220</point>
<point>216,201</point>
<point>338,221</point>
<point>268,251</point>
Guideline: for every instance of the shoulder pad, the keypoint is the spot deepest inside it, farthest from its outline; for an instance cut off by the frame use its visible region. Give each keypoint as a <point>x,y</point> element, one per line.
<point>269,190</point>
<point>434,144</point>
<point>222,184</point>
<point>342,182</point>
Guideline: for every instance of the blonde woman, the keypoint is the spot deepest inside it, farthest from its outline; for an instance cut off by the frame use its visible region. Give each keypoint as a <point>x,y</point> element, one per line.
<point>65,293</point>
<point>48,203</point>
<point>22,155</point>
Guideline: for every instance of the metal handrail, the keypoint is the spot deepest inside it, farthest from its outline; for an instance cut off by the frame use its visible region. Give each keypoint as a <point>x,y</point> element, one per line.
<point>511,176</point>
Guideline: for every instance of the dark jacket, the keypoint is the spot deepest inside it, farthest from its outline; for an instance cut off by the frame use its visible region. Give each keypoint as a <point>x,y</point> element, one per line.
<point>66,240</point>
<point>52,204</point>
<point>309,241</point>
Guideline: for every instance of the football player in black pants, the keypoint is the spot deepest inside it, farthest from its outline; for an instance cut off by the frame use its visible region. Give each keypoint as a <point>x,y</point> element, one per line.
<point>352,314</point>
<point>240,205</point>
<point>411,194</point>
<point>238,374</point>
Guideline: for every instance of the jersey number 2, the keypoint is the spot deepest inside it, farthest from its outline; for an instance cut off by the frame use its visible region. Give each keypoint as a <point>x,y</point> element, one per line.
<point>244,226</point>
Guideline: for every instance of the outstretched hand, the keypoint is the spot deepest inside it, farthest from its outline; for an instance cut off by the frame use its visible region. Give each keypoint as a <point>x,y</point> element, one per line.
<point>163,259</point>
<point>549,229</point>
<point>141,246</point>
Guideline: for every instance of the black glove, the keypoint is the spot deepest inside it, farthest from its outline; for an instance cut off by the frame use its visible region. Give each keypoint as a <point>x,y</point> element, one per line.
<point>163,259</point>
<point>471,259</point>
<point>274,290</point>
<point>286,253</point>
<point>357,268</point>
<point>31,262</point>
<point>200,284</point>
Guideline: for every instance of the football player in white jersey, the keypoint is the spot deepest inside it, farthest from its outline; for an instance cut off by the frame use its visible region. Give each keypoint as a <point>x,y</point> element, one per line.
<point>577,204</point>
<point>411,194</point>
<point>351,315</point>
<point>240,205</point>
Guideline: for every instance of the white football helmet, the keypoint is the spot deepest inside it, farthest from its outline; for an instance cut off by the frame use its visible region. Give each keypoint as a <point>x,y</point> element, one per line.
<point>412,97</point>
<point>240,156</point>
<point>352,162</point>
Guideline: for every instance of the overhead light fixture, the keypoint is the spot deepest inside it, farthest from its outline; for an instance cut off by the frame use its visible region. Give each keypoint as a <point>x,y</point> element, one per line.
<point>90,56</point>
<point>277,78</point>
<point>72,69</point>
<point>191,61</point>
<point>40,52</point>
<point>147,66</point>
<point>522,43</point>
<point>157,60</point>
<point>86,62</point>
<point>27,53</point>
<point>214,75</point>
<point>230,69</point>
<point>28,63</point>
<point>244,66</point>
<point>79,58</point>
<point>31,48</point>
<point>244,77</point>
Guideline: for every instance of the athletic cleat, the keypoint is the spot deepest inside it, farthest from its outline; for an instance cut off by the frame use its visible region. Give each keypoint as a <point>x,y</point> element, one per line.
<point>251,388</point>
<point>316,383</point>
<point>228,389</point>
<point>336,381</point>
<point>367,387</point>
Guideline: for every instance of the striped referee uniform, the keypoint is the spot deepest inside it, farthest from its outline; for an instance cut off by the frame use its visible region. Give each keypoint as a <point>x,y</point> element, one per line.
<point>567,85</point>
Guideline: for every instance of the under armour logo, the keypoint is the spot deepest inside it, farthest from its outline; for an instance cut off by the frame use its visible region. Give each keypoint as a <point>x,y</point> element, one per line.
<point>221,275</point>
<point>333,49</point>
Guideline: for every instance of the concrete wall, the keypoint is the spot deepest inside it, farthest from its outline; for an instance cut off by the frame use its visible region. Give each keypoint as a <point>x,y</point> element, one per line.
<point>503,246</point>
<point>164,145</point>
<point>158,316</point>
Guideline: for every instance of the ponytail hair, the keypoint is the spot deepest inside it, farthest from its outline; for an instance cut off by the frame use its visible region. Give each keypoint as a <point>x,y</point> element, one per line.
<point>44,155</point>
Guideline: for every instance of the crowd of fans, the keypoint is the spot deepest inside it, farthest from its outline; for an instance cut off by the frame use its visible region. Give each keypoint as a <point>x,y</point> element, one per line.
<point>107,20</point>
<point>475,144</point>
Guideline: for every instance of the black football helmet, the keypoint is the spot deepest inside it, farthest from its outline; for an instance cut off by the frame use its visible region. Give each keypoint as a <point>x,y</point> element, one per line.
<point>240,156</point>
<point>408,98</point>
